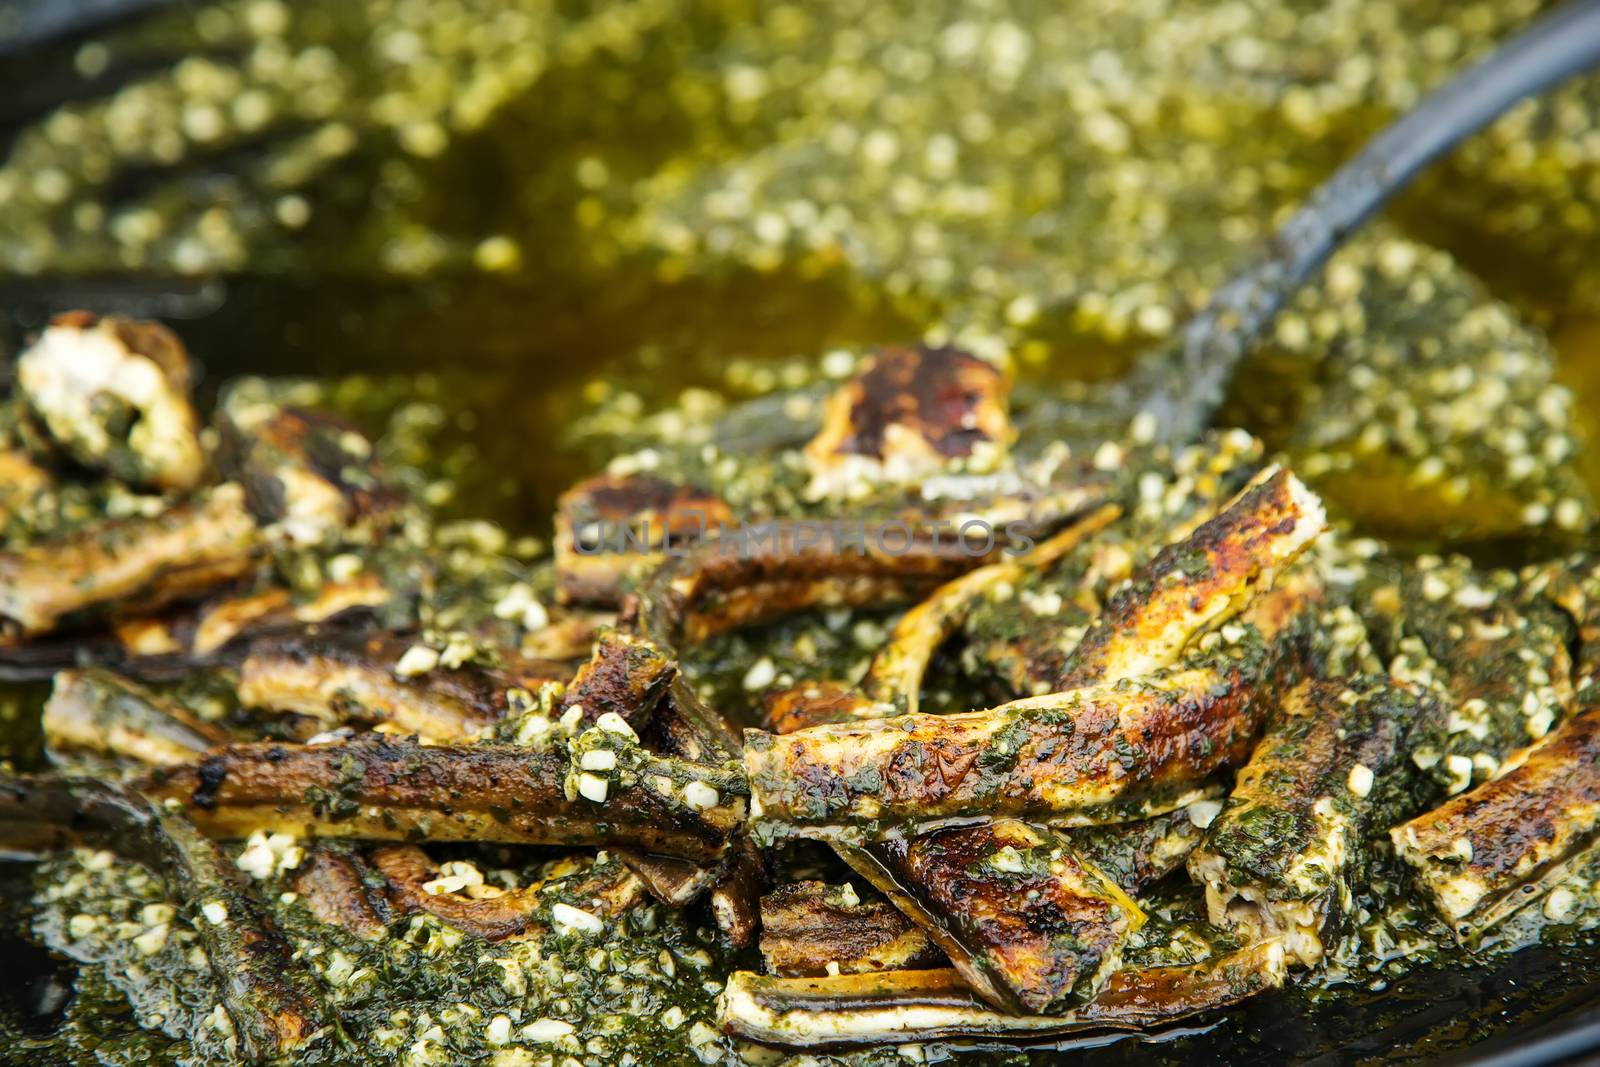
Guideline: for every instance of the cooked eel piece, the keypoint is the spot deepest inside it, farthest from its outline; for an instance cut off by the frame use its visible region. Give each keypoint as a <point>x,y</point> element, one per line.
<point>908,413</point>
<point>308,475</point>
<point>1198,582</point>
<point>1020,634</point>
<point>893,682</point>
<point>346,678</point>
<point>613,527</point>
<point>1136,855</point>
<point>736,894</point>
<point>1497,657</point>
<point>811,928</point>
<point>780,567</point>
<point>495,917</point>
<point>98,711</point>
<point>131,564</point>
<point>1573,585</point>
<point>626,675</point>
<point>113,394</point>
<point>911,1006</point>
<point>1030,925</point>
<point>1286,853</point>
<point>21,480</point>
<point>340,889</point>
<point>390,789</point>
<point>1109,753</point>
<point>180,639</point>
<point>270,997</point>
<point>1479,846</point>
<point>676,883</point>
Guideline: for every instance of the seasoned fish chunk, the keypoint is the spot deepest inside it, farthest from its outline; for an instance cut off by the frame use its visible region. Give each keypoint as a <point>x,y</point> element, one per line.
<point>308,475</point>
<point>390,790</point>
<point>1029,923</point>
<point>1478,847</point>
<point>340,679</point>
<point>113,393</point>
<point>98,711</point>
<point>810,928</point>
<point>907,413</point>
<point>612,526</point>
<point>1199,581</point>
<point>909,1006</point>
<point>123,562</point>
<point>1107,753</point>
<point>1283,857</point>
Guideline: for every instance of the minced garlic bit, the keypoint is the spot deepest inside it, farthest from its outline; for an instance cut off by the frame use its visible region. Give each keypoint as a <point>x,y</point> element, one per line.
<point>215,912</point>
<point>1360,780</point>
<point>575,920</point>
<point>545,1031</point>
<point>593,787</point>
<point>612,723</point>
<point>266,854</point>
<point>418,659</point>
<point>699,795</point>
<point>1203,812</point>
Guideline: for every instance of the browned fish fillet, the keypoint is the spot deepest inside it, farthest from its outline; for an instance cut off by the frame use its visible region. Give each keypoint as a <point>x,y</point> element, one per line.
<point>1031,926</point>
<point>911,1006</point>
<point>98,711</point>
<point>381,789</point>
<point>346,679</point>
<point>113,394</point>
<point>128,563</point>
<point>1481,845</point>
<point>810,929</point>
<point>1110,753</point>
<point>308,475</point>
<point>612,527</point>
<point>907,413</point>
<point>626,676</point>
<point>1199,581</point>
<point>1282,858</point>
<point>333,885</point>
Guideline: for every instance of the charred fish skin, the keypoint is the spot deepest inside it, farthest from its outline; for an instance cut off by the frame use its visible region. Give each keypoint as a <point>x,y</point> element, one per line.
<point>627,676</point>
<point>1032,926</point>
<point>307,475</point>
<point>910,1006</point>
<point>1283,857</point>
<point>907,413</point>
<point>1022,634</point>
<point>810,929</point>
<point>272,1000</point>
<point>128,564</point>
<point>397,790</point>
<point>337,886</point>
<point>341,679</point>
<point>1110,753</point>
<point>611,528</point>
<point>1199,581</point>
<point>113,394</point>
<point>99,711</point>
<point>1480,846</point>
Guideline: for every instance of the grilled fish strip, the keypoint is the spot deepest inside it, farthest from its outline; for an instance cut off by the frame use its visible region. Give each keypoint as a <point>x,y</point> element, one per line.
<point>307,475</point>
<point>893,682</point>
<point>810,928</point>
<point>905,414</point>
<point>1199,581</point>
<point>626,676</point>
<point>1030,925</point>
<point>334,885</point>
<point>1110,753</point>
<point>1476,848</point>
<point>611,528</point>
<point>1137,855</point>
<point>1283,857</point>
<point>98,711</point>
<point>270,997</point>
<point>145,562</point>
<point>911,1006</point>
<point>343,679</point>
<point>114,395</point>
<point>388,790</point>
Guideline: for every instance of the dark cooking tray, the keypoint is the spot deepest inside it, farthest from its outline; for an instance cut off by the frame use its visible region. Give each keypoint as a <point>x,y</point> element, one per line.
<point>1539,1006</point>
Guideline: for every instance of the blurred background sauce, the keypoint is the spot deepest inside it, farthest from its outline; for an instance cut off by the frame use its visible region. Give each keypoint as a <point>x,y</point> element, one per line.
<point>515,210</point>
